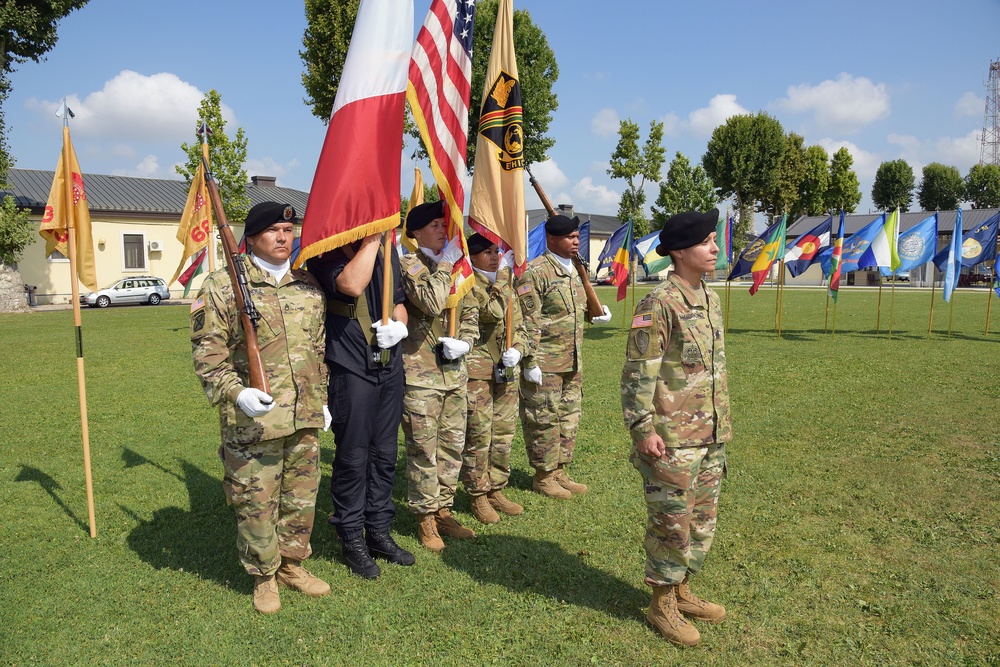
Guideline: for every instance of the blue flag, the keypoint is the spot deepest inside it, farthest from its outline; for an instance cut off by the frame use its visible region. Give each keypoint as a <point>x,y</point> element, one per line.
<point>953,261</point>
<point>611,247</point>
<point>749,254</point>
<point>585,241</point>
<point>916,246</point>
<point>536,241</point>
<point>803,251</point>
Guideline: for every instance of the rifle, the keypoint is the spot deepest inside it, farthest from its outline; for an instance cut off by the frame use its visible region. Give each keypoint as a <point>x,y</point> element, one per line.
<point>249,315</point>
<point>594,307</point>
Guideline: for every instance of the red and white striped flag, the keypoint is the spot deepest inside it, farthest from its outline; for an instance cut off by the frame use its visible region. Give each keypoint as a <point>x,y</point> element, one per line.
<point>355,191</point>
<point>438,93</point>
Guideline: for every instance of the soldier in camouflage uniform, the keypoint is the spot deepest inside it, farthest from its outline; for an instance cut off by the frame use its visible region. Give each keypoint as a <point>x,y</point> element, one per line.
<point>269,451</point>
<point>554,305</point>
<point>434,402</point>
<point>675,403</point>
<point>489,430</point>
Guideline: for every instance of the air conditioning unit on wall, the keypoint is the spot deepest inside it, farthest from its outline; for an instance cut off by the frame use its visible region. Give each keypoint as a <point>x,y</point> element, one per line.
<point>156,246</point>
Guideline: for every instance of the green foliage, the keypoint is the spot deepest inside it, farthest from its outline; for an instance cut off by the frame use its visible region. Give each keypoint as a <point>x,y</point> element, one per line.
<point>844,191</point>
<point>226,156</point>
<point>685,189</point>
<point>941,189</point>
<point>742,159</point>
<point>536,68</point>
<point>893,187</point>
<point>430,194</point>
<point>846,535</point>
<point>785,195</point>
<point>16,231</point>
<point>982,186</point>
<point>636,167</point>
<point>816,181</point>
<point>329,25</point>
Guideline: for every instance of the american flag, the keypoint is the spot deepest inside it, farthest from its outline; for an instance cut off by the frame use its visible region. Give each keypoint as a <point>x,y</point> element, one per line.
<point>438,91</point>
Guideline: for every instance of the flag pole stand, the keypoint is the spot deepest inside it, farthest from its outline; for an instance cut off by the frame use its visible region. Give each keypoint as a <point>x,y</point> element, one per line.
<point>892,301</point>
<point>878,317</point>
<point>75,290</point>
<point>930,321</point>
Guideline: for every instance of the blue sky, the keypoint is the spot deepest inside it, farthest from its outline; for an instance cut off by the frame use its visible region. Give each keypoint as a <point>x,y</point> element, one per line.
<point>888,79</point>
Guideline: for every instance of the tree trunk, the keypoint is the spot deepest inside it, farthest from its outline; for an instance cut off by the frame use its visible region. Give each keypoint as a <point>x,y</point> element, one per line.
<point>12,298</point>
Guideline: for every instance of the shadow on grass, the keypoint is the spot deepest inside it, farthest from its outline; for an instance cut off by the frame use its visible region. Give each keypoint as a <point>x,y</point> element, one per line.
<point>32,474</point>
<point>526,565</point>
<point>200,541</point>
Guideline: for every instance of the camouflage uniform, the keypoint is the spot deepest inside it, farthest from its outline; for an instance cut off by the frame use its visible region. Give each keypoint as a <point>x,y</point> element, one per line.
<point>674,385</point>
<point>554,306</point>
<point>271,463</point>
<point>492,414</point>
<point>434,402</point>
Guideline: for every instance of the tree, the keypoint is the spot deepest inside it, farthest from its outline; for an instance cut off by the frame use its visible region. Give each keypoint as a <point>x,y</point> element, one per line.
<point>742,160</point>
<point>982,186</point>
<point>941,188</point>
<point>536,68</point>
<point>844,192</point>
<point>685,189</point>
<point>893,187</point>
<point>329,26</point>
<point>816,181</point>
<point>636,167</point>
<point>16,231</point>
<point>226,156</point>
<point>785,192</point>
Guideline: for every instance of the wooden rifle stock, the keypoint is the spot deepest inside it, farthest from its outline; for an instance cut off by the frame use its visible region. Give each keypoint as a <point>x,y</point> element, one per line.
<point>249,315</point>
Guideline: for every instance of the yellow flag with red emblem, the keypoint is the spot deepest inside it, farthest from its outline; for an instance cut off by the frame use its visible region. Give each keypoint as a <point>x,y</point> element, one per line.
<point>195,227</point>
<point>65,208</point>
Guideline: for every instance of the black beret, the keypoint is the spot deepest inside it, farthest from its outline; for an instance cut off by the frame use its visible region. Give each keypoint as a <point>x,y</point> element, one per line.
<point>478,243</point>
<point>686,229</point>
<point>422,215</point>
<point>560,225</point>
<point>265,214</point>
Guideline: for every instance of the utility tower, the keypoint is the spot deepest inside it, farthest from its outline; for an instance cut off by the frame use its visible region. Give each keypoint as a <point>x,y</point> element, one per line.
<point>989,152</point>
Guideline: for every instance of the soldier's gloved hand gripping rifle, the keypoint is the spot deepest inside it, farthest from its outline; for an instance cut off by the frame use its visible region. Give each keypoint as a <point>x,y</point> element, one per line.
<point>249,316</point>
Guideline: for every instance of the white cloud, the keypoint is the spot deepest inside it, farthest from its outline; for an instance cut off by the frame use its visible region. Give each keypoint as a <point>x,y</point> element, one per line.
<point>672,124</point>
<point>159,107</point>
<point>845,104</point>
<point>969,104</point>
<point>149,167</point>
<point>592,198</point>
<point>720,109</point>
<point>605,123</point>
<point>963,152</point>
<point>865,163</point>
<point>268,166</point>
<point>549,175</point>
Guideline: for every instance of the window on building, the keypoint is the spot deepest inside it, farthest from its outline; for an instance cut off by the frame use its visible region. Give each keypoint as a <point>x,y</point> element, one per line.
<point>56,256</point>
<point>133,252</point>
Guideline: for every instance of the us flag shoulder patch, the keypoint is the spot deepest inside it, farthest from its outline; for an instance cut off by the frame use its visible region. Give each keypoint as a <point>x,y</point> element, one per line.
<point>198,303</point>
<point>642,320</point>
<point>523,289</point>
<point>415,269</point>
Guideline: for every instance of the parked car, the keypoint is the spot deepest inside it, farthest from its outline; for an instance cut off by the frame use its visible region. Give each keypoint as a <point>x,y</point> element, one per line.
<point>134,289</point>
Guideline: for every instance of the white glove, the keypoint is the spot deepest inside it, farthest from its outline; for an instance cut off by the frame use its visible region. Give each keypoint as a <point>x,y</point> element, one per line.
<point>510,357</point>
<point>606,317</point>
<point>254,402</point>
<point>454,348</point>
<point>387,336</point>
<point>327,418</point>
<point>507,261</point>
<point>533,375</point>
<point>452,252</point>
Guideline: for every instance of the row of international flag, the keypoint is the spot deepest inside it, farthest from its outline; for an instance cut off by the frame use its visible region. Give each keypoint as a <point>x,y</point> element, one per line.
<point>878,245</point>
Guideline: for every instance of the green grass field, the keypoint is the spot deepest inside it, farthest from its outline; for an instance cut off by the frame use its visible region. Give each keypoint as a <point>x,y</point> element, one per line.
<point>858,524</point>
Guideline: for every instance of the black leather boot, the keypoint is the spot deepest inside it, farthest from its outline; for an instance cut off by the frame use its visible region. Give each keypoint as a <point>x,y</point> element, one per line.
<point>381,545</point>
<point>358,559</point>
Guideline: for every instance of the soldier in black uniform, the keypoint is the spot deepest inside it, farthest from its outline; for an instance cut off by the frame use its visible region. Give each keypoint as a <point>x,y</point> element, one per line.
<point>365,399</point>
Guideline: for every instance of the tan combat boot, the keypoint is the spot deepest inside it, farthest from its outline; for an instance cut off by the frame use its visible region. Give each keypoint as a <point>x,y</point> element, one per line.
<point>663,616</point>
<point>483,510</point>
<point>503,504</point>
<point>265,594</point>
<point>448,525</point>
<point>693,606</point>
<point>547,484</point>
<point>565,482</point>
<point>427,532</point>
<point>292,574</point>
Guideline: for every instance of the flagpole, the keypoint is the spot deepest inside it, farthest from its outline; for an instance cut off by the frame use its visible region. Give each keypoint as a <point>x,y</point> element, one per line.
<point>951,308</point>
<point>930,321</point>
<point>989,301</point>
<point>211,235</point>
<point>892,301</point>
<point>777,296</point>
<point>878,318</point>
<point>781,295</point>
<point>833,329</point>
<point>826,318</point>
<point>728,291</point>
<point>75,290</point>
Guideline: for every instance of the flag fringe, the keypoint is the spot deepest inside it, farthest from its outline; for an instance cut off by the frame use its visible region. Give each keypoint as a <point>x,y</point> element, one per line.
<point>345,237</point>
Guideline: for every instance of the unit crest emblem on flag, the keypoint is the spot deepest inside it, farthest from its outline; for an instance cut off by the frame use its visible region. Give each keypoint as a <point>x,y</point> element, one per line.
<point>753,250</point>
<point>971,248</point>
<point>912,246</point>
<point>501,119</point>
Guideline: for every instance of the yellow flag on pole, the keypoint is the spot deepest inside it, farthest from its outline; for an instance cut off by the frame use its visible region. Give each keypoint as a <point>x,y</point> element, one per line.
<point>496,208</point>
<point>194,231</point>
<point>416,199</point>
<point>67,206</point>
